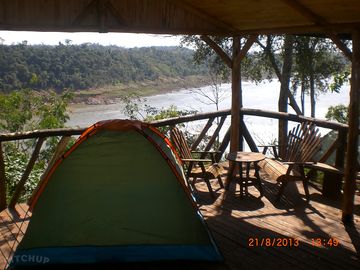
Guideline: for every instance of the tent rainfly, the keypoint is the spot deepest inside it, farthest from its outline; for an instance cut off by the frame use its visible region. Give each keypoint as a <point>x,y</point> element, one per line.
<point>117,195</point>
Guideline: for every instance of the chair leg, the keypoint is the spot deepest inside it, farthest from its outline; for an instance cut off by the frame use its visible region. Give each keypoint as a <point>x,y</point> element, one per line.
<point>193,182</point>
<point>221,183</point>
<point>207,181</point>
<point>306,189</point>
<point>281,190</point>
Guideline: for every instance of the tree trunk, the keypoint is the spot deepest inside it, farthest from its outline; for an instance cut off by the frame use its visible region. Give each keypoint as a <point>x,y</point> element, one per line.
<point>312,93</point>
<point>303,96</point>
<point>283,97</point>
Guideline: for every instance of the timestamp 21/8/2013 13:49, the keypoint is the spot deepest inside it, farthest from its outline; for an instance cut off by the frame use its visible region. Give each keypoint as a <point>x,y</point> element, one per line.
<point>290,242</point>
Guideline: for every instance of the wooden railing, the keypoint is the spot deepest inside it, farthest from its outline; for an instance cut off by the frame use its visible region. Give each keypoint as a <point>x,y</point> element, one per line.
<point>42,135</point>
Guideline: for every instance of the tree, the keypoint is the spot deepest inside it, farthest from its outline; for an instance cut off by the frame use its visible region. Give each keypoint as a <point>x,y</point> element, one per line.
<point>216,95</point>
<point>136,108</point>
<point>316,64</point>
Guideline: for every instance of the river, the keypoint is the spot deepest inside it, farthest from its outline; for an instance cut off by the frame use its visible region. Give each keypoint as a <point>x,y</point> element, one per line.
<point>257,96</point>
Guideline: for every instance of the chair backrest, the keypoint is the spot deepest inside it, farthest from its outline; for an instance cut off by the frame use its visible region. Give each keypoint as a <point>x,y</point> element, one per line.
<point>178,138</point>
<point>303,142</point>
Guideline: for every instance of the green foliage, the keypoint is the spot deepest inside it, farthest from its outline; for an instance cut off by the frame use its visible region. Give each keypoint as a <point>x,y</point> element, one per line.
<point>23,111</point>
<point>136,108</point>
<point>339,113</point>
<point>339,80</point>
<point>27,110</point>
<point>15,164</point>
<point>85,66</point>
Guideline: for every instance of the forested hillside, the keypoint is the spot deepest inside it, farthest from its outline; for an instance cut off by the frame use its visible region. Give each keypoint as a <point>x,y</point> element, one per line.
<point>67,66</point>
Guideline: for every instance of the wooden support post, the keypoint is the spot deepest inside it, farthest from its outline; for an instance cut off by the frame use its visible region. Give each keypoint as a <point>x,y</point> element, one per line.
<point>236,100</point>
<point>25,176</point>
<point>2,181</point>
<point>333,181</point>
<point>352,142</point>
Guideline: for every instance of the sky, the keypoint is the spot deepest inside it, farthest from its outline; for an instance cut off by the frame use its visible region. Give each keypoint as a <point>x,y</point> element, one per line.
<point>120,39</point>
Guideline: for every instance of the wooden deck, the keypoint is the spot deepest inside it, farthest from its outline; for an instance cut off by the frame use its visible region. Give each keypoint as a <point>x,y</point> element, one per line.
<point>238,222</point>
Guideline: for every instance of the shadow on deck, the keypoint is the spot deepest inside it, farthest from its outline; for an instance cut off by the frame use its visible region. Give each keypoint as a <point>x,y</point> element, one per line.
<point>257,233</point>
<point>253,232</point>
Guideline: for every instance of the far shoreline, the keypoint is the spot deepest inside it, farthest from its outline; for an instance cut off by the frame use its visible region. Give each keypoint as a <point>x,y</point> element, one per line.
<point>112,94</point>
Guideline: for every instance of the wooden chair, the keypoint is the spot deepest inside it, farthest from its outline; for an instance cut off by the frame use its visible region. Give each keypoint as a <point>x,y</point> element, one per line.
<point>303,142</point>
<point>195,167</point>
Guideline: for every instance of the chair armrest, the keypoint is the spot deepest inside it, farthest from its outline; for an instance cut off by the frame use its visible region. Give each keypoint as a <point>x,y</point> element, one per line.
<point>298,163</point>
<point>207,152</point>
<point>268,145</point>
<point>196,160</point>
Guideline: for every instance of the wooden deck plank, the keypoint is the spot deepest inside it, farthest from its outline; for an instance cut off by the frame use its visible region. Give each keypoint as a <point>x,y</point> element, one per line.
<point>299,220</point>
<point>232,220</point>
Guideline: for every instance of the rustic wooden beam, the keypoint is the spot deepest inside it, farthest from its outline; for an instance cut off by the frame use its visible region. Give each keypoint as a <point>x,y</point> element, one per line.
<point>102,14</point>
<point>306,12</point>
<point>20,186</point>
<point>223,55</point>
<point>236,95</point>
<point>318,20</point>
<point>329,151</point>
<point>246,47</point>
<point>252,112</point>
<point>116,14</point>
<point>85,12</point>
<point>41,133</point>
<point>204,16</point>
<point>294,118</point>
<point>189,118</point>
<point>224,144</point>
<point>2,181</point>
<point>341,46</point>
<point>248,137</point>
<point>352,141</point>
<point>203,133</point>
<point>216,133</point>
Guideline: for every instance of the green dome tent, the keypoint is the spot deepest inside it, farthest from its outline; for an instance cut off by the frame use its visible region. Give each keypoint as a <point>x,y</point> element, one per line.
<point>118,195</point>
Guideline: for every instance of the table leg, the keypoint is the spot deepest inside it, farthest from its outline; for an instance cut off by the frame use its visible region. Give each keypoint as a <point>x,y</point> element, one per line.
<point>229,177</point>
<point>257,175</point>
<point>241,183</point>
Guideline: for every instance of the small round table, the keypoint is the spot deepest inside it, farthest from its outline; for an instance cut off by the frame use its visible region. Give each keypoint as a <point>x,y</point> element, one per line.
<point>247,158</point>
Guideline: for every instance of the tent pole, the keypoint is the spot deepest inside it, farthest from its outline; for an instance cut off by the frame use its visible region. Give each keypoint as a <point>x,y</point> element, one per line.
<point>352,143</point>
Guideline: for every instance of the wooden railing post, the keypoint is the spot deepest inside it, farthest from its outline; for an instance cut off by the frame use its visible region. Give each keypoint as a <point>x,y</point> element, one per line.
<point>215,134</point>
<point>332,181</point>
<point>202,134</point>
<point>2,181</point>
<point>353,134</point>
<point>25,176</point>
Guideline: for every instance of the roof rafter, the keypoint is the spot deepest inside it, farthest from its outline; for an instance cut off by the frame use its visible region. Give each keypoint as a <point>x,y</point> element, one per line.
<point>320,21</point>
<point>223,55</point>
<point>206,17</point>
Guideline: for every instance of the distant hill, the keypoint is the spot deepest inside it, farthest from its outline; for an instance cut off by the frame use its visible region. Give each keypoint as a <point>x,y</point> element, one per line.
<point>85,66</point>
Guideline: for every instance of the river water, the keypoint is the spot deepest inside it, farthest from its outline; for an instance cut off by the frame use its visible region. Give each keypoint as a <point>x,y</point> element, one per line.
<point>257,96</point>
